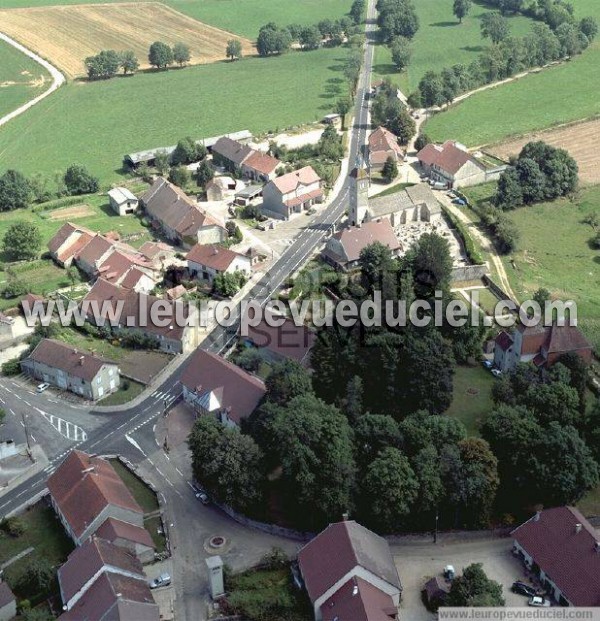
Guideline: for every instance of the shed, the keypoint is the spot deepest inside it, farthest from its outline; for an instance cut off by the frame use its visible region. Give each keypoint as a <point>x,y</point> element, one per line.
<point>122,201</point>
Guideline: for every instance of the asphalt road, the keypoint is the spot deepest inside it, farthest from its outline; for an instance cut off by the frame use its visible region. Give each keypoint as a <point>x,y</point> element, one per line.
<point>131,432</point>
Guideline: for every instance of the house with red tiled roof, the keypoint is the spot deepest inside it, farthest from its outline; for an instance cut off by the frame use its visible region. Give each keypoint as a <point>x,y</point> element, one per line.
<point>452,165</point>
<point>343,249</point>
<point>71,369</point>
<point>540,345</point>
<point>85,491</point>
<point>205,261</point>
<point>260,167</point>
<point>563,549</point>
<point>213,385</point>
<point>102,581</point>
<point>128,271</point>
<point>135,539</point>
<point>179,218</point>
<point>292,193</point>
<point>349,574</point>
<point>68,242</point>
<point>383,145</point>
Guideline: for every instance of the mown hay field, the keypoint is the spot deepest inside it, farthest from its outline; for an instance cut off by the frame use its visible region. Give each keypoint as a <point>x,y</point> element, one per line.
<point>66,35</point>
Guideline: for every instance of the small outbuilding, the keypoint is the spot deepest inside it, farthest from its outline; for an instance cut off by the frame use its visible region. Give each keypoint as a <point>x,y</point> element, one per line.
<point>122,201</point>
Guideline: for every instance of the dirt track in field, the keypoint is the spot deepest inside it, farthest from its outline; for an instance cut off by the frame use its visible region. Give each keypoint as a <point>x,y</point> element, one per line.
<point>66,35</point>
<point>580,140</point>
<point>71,213</point>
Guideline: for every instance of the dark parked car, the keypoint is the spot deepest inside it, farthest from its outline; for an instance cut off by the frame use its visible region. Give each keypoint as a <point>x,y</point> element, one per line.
<point>523,589</point>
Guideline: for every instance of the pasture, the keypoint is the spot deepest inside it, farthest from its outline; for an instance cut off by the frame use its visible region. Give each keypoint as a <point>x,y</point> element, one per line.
<point>441,42</point>
<point>66,35</point>
<point>555,96</point>
<point>554,253</point>
<point>21,78</point>
<point>97,123</point>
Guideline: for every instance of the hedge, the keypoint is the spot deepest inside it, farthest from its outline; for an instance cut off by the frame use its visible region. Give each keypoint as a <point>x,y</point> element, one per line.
<point>473,253</point>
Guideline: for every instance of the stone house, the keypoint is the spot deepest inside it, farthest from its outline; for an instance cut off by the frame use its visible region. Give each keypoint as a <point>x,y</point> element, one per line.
<point>206,261</point>
<point>349,573</point>
<point>179,218</point>
<point>222,188</point>
<point>103,581</point>
<point>452,165</point>
<point>540,345</point>
<point>563,550</point>
<point>343,248</point>
<point>68,243</point>
<point>122,201</point>
<point>245,161</point>
<point>292,193</point>
<point>260,167</point>
<point>212,385</point>
<point>69,369</point>
<point>382,145</point>
<point>85,491</point>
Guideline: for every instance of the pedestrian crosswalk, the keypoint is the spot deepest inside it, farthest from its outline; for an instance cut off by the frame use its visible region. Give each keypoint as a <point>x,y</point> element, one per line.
<point>65,428</point>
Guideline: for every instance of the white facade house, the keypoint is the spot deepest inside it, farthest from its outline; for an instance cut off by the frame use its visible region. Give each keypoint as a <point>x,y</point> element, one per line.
<point>205,261</point>
<point>123,201</point>
<point>292,193</point>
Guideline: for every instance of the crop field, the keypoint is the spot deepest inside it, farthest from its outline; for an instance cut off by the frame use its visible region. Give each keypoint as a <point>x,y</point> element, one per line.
<point>66,35</point>
<point>441,42</point>
<point>97,123</point>
<point>554,96</point>
<point>21,78</point>
<point>580,140</point>
<point>243,17</point>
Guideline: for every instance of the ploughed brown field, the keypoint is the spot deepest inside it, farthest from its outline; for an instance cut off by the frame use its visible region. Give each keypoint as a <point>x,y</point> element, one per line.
<point>66,35</point>
<point>579,139</point>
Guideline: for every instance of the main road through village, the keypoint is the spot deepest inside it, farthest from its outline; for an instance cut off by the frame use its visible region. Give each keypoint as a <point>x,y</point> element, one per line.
<point>130,431</point>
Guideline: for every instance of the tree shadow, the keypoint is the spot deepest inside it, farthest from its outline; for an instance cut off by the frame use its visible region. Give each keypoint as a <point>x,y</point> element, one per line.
<point>384,69</point>
<point>473,48</point>
<point>444,24</point>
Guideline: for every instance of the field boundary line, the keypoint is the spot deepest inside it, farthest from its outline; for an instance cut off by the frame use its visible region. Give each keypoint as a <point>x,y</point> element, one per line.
<point>58,79</point>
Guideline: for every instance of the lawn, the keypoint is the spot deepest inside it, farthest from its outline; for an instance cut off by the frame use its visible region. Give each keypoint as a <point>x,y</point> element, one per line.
<point>96,124</point>
<point>44,533</point>
<point>244,17</point>
<point>554,253</point>
<point>144,496</point>
<point>472,396</point>
<point>441,42</point>
<point>127,391</point>
<point>554,96</point>
<point>21,78</point>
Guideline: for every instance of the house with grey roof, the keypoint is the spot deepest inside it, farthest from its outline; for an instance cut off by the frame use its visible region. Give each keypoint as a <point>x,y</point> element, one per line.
<point>70,369</point>
<point>122,201</point>
<point>349,573</point>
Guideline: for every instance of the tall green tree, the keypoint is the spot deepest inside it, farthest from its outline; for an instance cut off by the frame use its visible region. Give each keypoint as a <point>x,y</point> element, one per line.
<point>401,52</point>
<point>390,169</point>
<point>342,107</point>
<point>22,241</point>
<point>287,380</point>
<point>475,589</point>
<point>181,54</point>
<point>234,49</point>
<point>129,62</point>
<point>494,27</point>
<point>204,173</point>
<point>461,9</point>
<point>15,191</point>
<point>160,55</point>
<point>78,180</point>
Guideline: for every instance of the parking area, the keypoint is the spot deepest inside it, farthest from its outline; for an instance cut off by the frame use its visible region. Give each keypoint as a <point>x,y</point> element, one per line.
<point>163,596</point>
<point>417,562</point>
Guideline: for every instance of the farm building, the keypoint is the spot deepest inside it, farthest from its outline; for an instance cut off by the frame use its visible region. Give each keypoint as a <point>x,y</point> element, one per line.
<point>149,156</point>
<point>415,203</point>
<point>177,335</point>
<point>68,243</point>
<point>349,573</point>
<point>239,158</point>
<point>343,249</point>
<point>212,385</point>
<point>122,201</point>
<point>562,548</point>
<point>181,220</point>
<point>541,345</point>
<point>248,195</point>
<point>382,145</point>
<point>69,369</point>
<point>206,261</point>
<point>222,188</point>
<point>453,166</point>
<point>292,193</point>
<point>103,581</point>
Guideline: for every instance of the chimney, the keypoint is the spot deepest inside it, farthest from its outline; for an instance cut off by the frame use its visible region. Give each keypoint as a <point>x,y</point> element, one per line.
<point>537,516</point>
<point>597,546</point>
<point>345,516</point>
<point>90,469</point>
<point>578,528</point>
<point>81,359</point>
<point>355,590</point>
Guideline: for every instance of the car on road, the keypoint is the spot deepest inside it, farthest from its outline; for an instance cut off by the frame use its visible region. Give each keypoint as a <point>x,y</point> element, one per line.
<point>202,497</point>
<point>488,364</point>
<point>42,387</point>
<point>539,602</point>
<point>496,372</point>
<point>160,581</point>
<point>523,589</point>
<point>459,201</point>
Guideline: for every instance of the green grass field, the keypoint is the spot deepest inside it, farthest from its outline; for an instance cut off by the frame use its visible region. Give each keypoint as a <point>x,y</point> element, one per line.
<point>472,396</point>
<point>440,42</point>
<point>97,124</point>
<point>554,253</point>
<point>554,96</point>
<point>17,72</point>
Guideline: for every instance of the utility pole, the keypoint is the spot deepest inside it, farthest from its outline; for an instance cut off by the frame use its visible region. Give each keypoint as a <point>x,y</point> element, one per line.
<point>24,420</point>
<point>435,532</point>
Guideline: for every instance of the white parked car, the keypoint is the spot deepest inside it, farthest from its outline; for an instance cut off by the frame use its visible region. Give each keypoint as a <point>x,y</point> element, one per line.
<point>42,387</point>
<point>539,602</point>
<point>160,581</point>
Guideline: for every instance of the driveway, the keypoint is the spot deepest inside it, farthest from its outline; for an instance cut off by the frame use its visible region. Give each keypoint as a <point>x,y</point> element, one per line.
<point>417,562</point>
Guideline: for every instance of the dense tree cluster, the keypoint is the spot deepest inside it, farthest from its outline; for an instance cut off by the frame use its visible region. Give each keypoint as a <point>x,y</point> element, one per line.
<point>397,18</point>
<point>22,241</point>
<point>162,56</point>
<point>387,110</point>
<point>357,11</point>
<point>541,172</point>
<point>107,64</point>
<point>474,589</point>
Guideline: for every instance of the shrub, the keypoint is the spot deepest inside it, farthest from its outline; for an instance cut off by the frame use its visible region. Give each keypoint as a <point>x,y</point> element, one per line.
<point>12,526</point>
